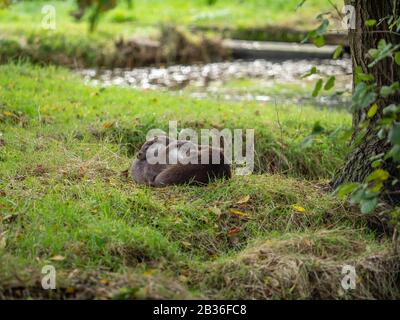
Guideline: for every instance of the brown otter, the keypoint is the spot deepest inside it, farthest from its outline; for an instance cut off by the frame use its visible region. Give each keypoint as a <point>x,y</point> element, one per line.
<point>188,171</point>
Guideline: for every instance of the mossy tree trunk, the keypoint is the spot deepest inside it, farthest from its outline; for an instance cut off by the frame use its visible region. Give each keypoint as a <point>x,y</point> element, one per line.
<point>357,165</point>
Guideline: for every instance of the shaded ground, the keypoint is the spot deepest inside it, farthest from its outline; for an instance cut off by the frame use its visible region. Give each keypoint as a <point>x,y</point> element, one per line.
<point>65,202</point>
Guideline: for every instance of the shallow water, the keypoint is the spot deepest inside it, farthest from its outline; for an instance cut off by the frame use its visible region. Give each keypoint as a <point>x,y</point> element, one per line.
<point>211,80</point>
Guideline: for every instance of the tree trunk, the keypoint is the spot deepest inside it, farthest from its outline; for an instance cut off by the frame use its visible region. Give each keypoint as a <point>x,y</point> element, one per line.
<point>358,165</point>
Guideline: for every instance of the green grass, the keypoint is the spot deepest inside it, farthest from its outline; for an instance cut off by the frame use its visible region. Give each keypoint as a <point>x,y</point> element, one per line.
<point>64,201</point>
<point>23,36</point>
<point>225,13</point>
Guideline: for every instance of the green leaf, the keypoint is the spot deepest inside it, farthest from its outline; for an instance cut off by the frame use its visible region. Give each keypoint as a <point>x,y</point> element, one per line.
<point>370,23</point>
<point>300,4</point>
<point>363,96</point>
<point>330,83</point>
<point>395,153</point>
<point>318,87</point>
<point>357,196</point>
<point>378,175</point>
<point>377,187</point>
<point>391,109</point>
<point>309,73</point>
<point>337,52</point>
<point>368,205</point>
<point>376,164</point>
<point>386,91</point>
<point>321,30</point>
<point>383,51</point>
<point>397,58</point>
<point>346,189</point>
<point>317,35</point>
<point>394,134</point>
<point>319,41</point>
<point>361,76</point>
<point>372,111</point>
<point>389,90</point>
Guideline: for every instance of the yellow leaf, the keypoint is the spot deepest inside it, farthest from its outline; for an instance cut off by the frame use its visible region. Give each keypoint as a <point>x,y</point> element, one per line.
<point>57,258</point>
<point>178,221</point>
<point>69,290</point>
<point>244,200</point>
<point>298,208</point>
<point>148,272</point>
<point>239,213</point>
<point>186,244</point>
<point>108,125</point>
<point>8,113</point>
<point>372,111</point>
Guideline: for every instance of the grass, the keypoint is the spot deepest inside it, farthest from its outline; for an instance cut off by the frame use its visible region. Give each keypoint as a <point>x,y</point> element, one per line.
<point>225,13</point>
<point>71,43</point>
<point>64,201</point>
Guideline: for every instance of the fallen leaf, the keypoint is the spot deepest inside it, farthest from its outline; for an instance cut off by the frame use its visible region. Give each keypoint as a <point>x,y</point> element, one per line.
<point>148,272</point>
<point>239,213</point>
<point>216,211</point>
<point>244,200</point>
<point>70,290</point>
<point>57,258</point>
<point>73,273</point>
<point>108,125</point>
<point>178,221</point>
<point>186,244</point>
<point>233,232</point>
<point>298,208</point>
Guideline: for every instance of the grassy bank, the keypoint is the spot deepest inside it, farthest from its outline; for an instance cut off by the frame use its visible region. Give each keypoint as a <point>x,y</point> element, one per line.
<point>23,36</point>
<point>65,202</point>
<point>124,20</point>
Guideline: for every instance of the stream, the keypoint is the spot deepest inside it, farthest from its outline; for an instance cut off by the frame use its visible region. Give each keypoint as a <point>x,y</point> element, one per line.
<point>258,80</point>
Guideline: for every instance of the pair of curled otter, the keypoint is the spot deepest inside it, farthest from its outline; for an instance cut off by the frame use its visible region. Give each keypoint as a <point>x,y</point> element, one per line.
<point>184,163</point>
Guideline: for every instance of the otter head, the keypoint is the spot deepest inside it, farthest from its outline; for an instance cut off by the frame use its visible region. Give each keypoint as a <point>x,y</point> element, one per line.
<point>163,140</point>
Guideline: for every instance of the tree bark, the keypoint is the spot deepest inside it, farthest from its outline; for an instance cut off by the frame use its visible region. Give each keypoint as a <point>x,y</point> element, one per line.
<point>357,165</point>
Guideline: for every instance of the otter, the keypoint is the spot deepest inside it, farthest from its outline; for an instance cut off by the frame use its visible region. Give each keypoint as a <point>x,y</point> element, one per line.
<point>178,172</point>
